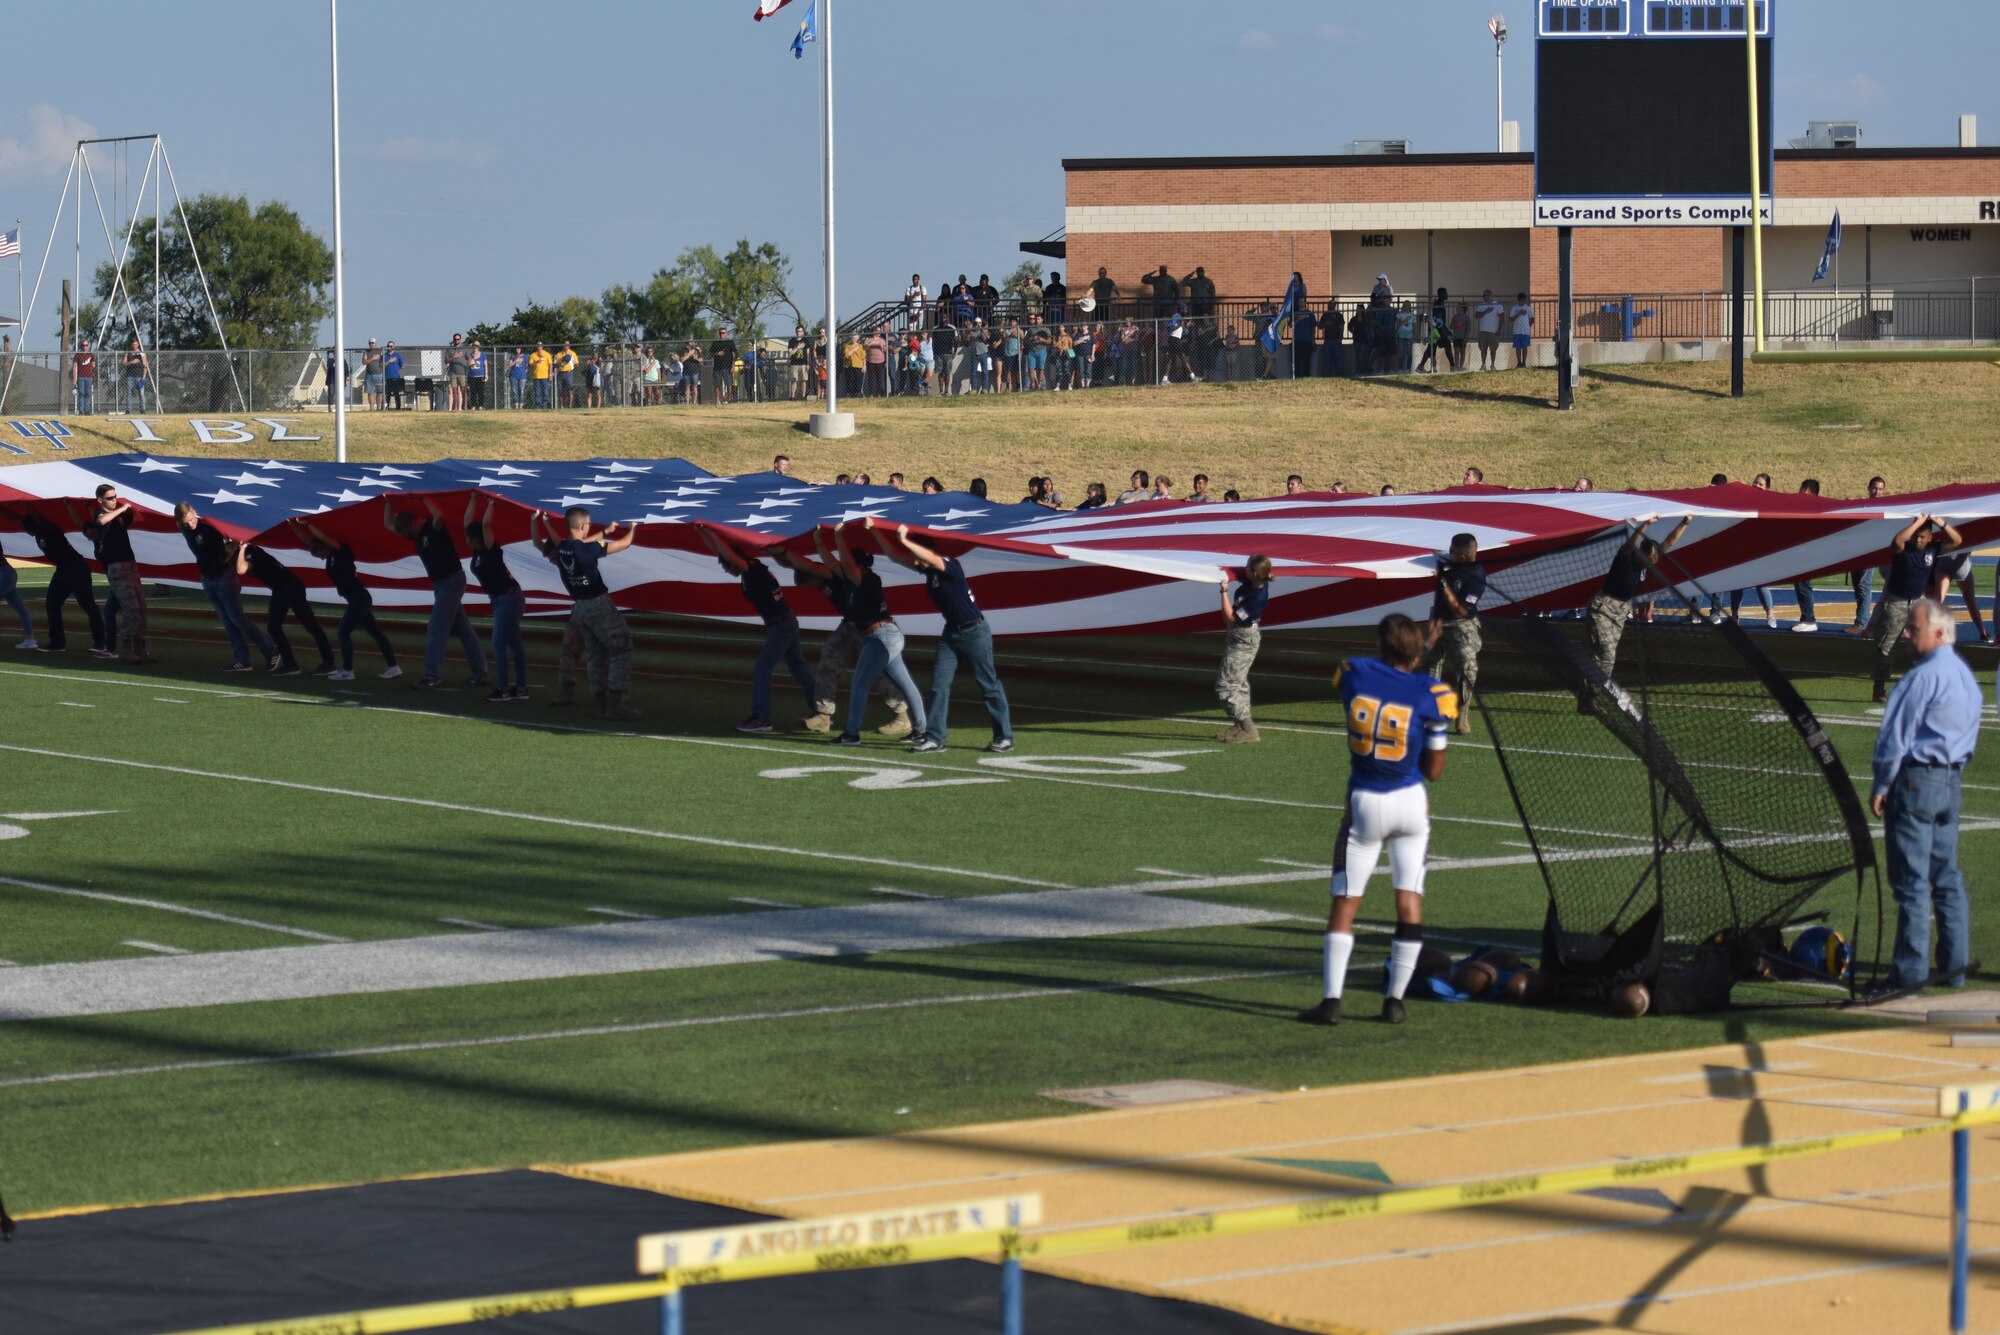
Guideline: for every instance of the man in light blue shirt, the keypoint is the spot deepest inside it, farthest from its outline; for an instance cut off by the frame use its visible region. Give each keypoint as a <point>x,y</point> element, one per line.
<point>1928,732</point>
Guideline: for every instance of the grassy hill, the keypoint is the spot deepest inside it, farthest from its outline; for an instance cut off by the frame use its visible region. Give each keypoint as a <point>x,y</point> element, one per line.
<point>1641,426</point>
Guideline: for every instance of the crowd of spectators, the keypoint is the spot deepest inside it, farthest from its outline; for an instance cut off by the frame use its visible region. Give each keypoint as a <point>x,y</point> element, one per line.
<point>974,338</point>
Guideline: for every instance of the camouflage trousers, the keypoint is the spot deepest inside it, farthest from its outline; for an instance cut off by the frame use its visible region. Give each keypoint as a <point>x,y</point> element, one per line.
<point>1457,651</point>
<point>1607,617</point>
<point>1892,614</point>
<point>597,634</point>
<point>1232,680</point>
<point>127,609</point>
<point>836,655</point>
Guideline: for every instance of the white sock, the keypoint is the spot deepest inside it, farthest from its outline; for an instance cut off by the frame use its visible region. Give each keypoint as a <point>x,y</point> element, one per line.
<point>1402,965</point>
<point>1339,949</point>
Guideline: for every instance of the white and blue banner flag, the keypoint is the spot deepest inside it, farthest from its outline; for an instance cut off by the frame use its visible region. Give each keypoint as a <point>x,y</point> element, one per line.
<point>1832,249</point>
<point>808,31</point>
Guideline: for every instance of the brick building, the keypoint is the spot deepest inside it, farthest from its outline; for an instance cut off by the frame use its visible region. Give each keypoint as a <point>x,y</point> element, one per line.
<point>1915,218</point>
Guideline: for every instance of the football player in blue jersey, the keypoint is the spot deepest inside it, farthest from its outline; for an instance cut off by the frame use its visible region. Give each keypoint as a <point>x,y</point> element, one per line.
<point>1397,721</point>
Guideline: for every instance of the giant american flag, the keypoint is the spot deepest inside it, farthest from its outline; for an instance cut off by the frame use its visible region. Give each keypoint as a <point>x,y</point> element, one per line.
<point>1148,568</point>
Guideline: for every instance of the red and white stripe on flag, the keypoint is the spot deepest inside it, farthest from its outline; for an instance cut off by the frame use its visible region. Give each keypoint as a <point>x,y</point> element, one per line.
<point>766,8</point>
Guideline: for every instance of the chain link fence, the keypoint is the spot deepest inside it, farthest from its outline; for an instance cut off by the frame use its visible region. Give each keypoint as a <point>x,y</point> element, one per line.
<point>894,349</point>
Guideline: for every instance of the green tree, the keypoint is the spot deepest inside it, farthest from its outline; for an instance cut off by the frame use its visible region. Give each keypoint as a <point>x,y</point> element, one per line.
<point>738,287</point>
<point>668,306</point>
<point>1022,273</point>
<point>571,320</point>
<point>268,273</point>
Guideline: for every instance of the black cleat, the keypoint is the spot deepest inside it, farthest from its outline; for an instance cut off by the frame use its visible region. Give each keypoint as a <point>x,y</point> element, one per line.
<point>1392,1010</point>
<point>1327,1012</point>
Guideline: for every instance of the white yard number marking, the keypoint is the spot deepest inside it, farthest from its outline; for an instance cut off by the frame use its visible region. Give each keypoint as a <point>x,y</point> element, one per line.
<point>883,778</point>
<point>874,778</point>
<point>1100,766</point>
<point>8,830</point>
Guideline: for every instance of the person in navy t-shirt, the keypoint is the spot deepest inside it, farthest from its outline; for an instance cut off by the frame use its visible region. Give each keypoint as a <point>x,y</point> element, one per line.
<point>504,596</point>
<point>881,653</point>
<point>360,614</point>
<point>965,636</point>
<point>1914,555</point>
<point>1242,617</point>
<point>607,640</point>
<point>447,575</point>
<point>1397,718</point>
<point>288,598</point>
<point>781,630</point>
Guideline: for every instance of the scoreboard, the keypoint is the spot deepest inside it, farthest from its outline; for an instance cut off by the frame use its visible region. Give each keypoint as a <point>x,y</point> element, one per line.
<point>1642,112</point>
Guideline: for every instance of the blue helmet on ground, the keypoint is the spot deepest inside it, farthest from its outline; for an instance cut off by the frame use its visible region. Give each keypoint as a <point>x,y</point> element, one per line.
<point>1822,951</point>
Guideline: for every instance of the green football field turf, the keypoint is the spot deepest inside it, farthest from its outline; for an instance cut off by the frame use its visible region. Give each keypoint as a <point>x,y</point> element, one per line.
<point>209,813</point>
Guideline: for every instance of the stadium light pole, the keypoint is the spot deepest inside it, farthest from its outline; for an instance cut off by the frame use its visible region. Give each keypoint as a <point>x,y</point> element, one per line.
<point>1497,25</point>
<point>831,424</point>
<point>336,376</point>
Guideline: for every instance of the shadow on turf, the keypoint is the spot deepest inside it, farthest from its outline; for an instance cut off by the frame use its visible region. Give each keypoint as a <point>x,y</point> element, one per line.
<point>546,1085</point>
<point>1432,390</point>
<point>1640,382</point>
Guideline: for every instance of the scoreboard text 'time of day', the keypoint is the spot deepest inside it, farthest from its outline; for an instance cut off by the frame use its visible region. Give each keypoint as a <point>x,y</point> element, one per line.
<point>1642,112</point>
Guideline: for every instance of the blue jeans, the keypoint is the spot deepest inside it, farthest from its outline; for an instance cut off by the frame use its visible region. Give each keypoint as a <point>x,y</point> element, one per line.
<point>509,646</point>
<point>1128,363</point>
<point>361,616</point>
<point>86,387</point>
<point>225,595</point>
<point>781,644</point>
<point>10,593</point>
<point>541,393</point>
<point>1763,596</point>
<point>1863,582</point>
<point>517,392</point>
<point>973,645</point>
<point>1921,827</point>
<point>882,655</point>
<point>135,391</point>
<point>1803,591</point>
<point>448,618</point>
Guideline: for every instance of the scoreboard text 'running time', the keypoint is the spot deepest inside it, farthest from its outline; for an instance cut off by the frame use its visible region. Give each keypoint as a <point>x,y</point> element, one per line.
<point>1642,112</point>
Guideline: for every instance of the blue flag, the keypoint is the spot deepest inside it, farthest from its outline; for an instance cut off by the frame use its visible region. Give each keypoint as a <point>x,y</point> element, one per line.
<point>808,32</point>
<point>1281,323</point>
<point>1832,248</point>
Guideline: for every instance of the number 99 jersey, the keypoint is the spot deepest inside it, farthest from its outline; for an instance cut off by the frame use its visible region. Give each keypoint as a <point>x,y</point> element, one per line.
<point>1392,717</point>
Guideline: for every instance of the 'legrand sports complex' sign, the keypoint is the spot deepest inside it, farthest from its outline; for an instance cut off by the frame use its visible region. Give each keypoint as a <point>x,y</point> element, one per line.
<point>1642,113</point>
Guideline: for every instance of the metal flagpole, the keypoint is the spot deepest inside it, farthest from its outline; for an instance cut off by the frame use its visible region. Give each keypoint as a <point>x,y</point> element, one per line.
<point>831,424</point>
<point>336,371</point>
<point>1756,177</point>
<point>158,402</point>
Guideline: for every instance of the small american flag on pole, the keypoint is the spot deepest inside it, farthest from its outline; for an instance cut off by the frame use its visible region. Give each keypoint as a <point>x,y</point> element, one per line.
<point>10,244</point>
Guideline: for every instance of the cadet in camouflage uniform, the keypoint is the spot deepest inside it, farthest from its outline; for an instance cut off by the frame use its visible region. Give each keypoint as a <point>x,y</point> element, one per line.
<point>1241,613</point>
<point>1610,609</point>
<point>607,640</point>
<point>1913,558</point>
<point>1454,637</point>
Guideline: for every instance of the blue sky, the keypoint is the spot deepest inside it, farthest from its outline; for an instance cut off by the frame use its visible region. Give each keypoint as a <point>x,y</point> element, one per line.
<point>499,151</point>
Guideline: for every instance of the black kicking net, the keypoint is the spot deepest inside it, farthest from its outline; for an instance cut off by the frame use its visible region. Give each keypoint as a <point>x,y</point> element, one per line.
<point>1685,804</point>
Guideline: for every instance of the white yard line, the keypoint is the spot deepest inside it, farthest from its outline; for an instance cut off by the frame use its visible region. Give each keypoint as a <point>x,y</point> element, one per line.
<point>477,958</point>
<point>155,947</point>
<point>131,901</point>
<point>624,913</point>
<point>761,903</point>
<point>473,923</point>
<point>645,1027</point>
<point>471,809</point>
